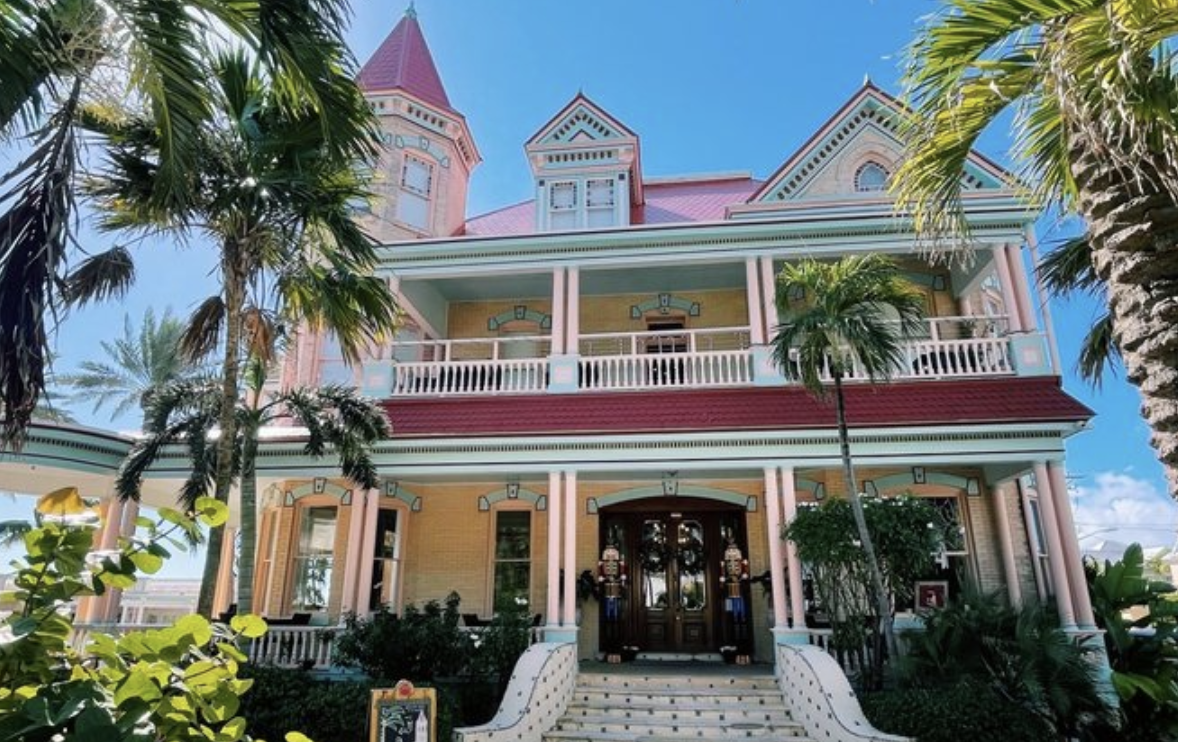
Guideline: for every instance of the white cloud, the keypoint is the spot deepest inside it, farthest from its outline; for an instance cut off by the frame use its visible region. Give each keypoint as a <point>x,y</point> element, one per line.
<point>1117,506</point>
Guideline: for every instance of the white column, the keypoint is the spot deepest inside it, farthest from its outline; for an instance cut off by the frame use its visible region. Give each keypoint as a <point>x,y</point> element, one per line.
<point>1002,515</point>
<point>573,312</point>
<point>769,296</point>
<point>1018,272</point>
<point>558,311</point>
<point>754,302</point>
<point>1056,557</point>
<point>367,553</point>
<point>1009,295</point>
<point>1071,546</point>
<point>1032,542</point>
<point>776,563</point>
<point>352,556</point>
<point>552,601</point>
<point>570,549</point>
<point>1044,305</point>
<point>789,498</point>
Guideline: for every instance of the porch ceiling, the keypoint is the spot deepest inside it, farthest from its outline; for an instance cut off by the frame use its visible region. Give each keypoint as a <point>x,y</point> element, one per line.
<point>634,279</point>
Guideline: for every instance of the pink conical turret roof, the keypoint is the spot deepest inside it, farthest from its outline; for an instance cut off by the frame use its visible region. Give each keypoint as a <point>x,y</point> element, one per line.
<point>403,61</point>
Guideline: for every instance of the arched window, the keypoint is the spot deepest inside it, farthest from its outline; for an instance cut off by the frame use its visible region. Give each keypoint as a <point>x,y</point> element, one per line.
<point>871,177</point>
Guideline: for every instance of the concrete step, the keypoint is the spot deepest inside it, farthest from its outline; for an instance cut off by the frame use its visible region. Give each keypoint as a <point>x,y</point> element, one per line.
<point>682,712</point>
<point>689,697</point>
<point>671,735</point>
<point>691,727</point>
<point>710,683</point>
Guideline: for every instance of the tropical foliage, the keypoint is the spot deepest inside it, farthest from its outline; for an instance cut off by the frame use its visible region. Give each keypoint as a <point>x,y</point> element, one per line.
<point>274,193</point>
<point>136,365</point>
<point>62,63</point>
<point>337,420</point>
<point>176,683</point>
<point>1139,616</point>
<point>906,533</point>
<point>1020,652</point>
<point>840,320</point>
<point>966,710</point>
<point>1093,86</point>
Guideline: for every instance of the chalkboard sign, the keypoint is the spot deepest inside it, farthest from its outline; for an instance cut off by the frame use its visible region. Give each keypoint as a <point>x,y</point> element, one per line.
<point>404,714</point>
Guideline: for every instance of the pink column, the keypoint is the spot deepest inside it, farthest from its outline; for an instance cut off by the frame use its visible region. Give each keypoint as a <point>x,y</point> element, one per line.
<point>753,300</point>
<point>769,295</point>
<point>570,549</point>
<point>789,498</point>
<point>1056,556</point>
<point>776,563</point>
<point>114,599</point>
<point>352,557</point>
<point>111,528</point>
<point>1018,272</point>
<point>1071,546</point>
<point>223,594</point>
<point>1002,514</point>
<point>367,552</point>
<point>89,606</point>
<point>1009,294</point>
<point>572,319</point>
<point>552,597</point>
<point>559,301</point>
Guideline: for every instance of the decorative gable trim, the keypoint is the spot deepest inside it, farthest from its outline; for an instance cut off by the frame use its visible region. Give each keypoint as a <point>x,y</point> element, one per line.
<point>579,121</point>
<point>870,108</point>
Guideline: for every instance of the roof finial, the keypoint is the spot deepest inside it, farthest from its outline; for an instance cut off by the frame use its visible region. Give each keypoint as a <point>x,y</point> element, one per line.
<point>411,12</point>
<point>866,75</point>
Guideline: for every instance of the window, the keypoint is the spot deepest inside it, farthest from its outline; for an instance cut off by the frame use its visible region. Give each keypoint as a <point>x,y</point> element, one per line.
<point>562,205</point>
<point>314,559</point>
<point>386,561</point>
<point>513,555</point>
<point>871,177</point>
<point>599,201</point>
<point>952,559</point>
<point>413,201</point>
<point>332,369</point>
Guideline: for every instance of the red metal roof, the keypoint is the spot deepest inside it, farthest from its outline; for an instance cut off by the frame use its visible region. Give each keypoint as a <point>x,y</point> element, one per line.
<point>977,401</point>
<point>403,62</point>
<point>702,200</point>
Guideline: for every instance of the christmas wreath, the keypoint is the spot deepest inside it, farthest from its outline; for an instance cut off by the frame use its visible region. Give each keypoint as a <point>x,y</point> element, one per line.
<point>652,553</point>
<point>691,556</point>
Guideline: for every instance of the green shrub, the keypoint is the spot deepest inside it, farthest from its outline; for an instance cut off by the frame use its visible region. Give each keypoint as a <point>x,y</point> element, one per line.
<point>419,645</point>
<point>965,711</point>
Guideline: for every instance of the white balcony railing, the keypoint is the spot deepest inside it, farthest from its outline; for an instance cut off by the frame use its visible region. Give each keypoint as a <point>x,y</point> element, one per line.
<point>677,358</point>
<point>951,347</point>
<point>306,647</point>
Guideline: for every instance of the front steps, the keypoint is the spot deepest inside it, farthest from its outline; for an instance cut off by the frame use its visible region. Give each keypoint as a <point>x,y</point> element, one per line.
<point>666,706</point>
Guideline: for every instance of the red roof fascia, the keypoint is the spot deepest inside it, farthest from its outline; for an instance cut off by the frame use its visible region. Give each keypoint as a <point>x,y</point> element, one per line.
<point>404,62</point>
<point>981,401</point>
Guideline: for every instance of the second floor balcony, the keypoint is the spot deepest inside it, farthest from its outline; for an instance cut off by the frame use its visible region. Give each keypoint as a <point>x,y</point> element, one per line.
<point>951,347</point>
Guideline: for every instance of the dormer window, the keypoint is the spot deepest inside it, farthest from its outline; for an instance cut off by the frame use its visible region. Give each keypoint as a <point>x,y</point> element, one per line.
<point>562,205</point>
<point>413,202</point>
<point>599,201</point>
<point>871,177</point>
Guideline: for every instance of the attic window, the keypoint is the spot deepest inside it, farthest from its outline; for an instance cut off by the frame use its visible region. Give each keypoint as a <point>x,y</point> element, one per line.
<point>564,196</point>
<point>871,177</point>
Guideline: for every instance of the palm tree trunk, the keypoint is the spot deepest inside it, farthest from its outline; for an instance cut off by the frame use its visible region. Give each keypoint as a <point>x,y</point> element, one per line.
<point>883,605</point>
<point>1133,232</point>
<point>233,275</point>
<point>249,514</point>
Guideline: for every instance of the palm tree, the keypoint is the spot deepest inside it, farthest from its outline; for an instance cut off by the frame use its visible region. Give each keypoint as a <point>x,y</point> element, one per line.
<point>58,58</point>
<point>841,319</point>
<point>1067,270</point>
<point>336,419</point>
<point>136,365</point>
<point>1093,83</point>
<point>276,198</point>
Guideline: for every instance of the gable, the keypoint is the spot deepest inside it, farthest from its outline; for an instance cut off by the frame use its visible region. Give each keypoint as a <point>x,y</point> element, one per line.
<point>863,131</point>
<point>581,121</point>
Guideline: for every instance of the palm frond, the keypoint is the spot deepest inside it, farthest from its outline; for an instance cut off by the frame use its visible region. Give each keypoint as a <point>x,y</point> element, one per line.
<point>204,329</point>
<point>1068,268</point>
<point>106,275</point>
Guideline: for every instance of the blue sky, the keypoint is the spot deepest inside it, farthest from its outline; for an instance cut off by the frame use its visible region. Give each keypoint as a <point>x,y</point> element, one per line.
<point>709,85</point>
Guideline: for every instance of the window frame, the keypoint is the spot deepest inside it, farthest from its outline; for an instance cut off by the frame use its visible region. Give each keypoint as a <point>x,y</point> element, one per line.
<point>301,508</point>
<point>405,190</point>
<point>511,506</point>
<point>866,167</point>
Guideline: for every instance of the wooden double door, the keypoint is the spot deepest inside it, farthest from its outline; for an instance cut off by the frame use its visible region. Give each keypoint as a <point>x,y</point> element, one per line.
<point>674,600</point>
